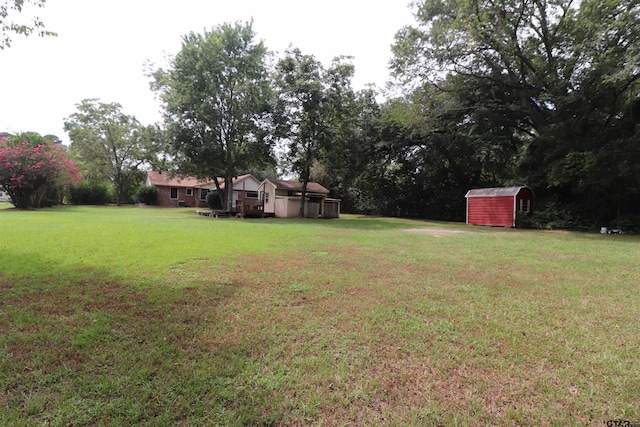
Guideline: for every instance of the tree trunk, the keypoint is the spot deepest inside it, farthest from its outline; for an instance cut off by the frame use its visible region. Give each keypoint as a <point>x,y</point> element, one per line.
<point>228,190</point>
<point>305,180</point>
<point>220,193</point>
<point>303,197</point>
<point>118,183</point>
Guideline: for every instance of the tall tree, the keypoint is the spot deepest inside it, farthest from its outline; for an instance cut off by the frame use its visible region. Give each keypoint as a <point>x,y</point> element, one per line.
<point>301,112</point>
<point>346,158</point>
<point>340,154</point>
<point>314,113</point>
<point>8,27</point>
<point>562,74</point>
<point>109,144</point>
<point>216,95</point>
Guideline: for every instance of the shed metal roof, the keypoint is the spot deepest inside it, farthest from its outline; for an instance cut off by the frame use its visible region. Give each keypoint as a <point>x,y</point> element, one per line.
<point>494,192</point>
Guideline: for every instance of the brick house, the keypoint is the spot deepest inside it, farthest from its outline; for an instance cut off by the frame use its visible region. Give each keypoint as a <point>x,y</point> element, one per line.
<point>191,192</point>
<point>177,191</point>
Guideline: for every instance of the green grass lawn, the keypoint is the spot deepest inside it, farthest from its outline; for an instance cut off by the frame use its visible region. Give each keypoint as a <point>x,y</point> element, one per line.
<point>131,316</point>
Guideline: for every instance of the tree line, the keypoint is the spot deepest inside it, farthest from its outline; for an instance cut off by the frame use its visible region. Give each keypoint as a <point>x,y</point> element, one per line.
<point>486,93</point>
<point>542,92</point>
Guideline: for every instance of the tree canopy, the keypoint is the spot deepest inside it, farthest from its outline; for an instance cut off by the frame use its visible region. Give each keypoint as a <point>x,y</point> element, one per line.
<point>542,93</point>
<point>216,97</point>
<point>316,114</point>
<point>301,112</point>
<point>554,80</point>
<point>109,144</point>
<point>8,9</point>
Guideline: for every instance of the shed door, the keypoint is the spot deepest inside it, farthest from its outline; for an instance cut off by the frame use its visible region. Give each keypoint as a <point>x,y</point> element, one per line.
<point>313,209</point>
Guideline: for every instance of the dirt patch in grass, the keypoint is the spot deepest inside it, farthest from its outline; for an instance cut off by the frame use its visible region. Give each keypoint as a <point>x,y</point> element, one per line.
<point>433,231</point>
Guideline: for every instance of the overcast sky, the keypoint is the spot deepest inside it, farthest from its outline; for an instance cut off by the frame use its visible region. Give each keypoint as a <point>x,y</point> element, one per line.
<point>102,46</point>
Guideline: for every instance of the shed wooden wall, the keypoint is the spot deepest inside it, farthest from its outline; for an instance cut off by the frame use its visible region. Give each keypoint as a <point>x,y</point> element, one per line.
<point>495,211</point>
<point>331,209</point>
<point>287,207</point>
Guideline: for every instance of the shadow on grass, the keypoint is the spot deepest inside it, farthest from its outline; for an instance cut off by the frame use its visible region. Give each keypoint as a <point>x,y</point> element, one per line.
<point>79,346</point>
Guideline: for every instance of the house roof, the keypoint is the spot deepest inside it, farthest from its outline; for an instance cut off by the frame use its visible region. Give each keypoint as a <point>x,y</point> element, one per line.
<point>237,179</point>
<point>312,187</point>
<point>494,192</point>
<point>163,179</point>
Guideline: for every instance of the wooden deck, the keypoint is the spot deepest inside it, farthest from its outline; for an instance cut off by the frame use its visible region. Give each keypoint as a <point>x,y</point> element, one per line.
<point>213,213</point>
<point>244,207</point>
<point>250,207</point>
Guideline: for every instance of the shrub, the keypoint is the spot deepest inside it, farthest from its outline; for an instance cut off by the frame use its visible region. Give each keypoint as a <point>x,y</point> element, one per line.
<point>30,173</point>
<point>148,194</point>
<point>627,223</point>
<point>548,216</point>
<point>213,200</point>
<point>89,193</point>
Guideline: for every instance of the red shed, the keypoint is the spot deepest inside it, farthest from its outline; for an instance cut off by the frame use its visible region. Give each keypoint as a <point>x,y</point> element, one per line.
<point>498,206</point>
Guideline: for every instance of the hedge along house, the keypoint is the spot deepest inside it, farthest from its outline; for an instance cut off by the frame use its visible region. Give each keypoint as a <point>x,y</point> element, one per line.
<point>281,199</point>
<point>498,207</point>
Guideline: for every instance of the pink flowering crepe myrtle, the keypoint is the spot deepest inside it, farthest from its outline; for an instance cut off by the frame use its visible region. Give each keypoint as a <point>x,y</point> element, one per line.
<point>27,172</point>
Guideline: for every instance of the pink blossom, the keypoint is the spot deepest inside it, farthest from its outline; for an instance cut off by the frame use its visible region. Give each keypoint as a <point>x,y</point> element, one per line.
<point>27,168</point>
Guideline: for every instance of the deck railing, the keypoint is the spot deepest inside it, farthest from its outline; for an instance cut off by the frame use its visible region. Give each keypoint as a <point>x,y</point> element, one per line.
<point>250,207</point>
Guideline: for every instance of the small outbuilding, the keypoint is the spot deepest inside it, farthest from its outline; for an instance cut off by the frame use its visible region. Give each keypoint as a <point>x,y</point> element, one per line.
<point>498,207</point>
<point>282,199</point>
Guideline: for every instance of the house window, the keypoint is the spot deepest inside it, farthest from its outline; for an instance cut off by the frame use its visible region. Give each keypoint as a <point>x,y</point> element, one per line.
<point>203,193</point>
<point>252,195</point>
<point>266,197</point>
<point>174,193</point>
<point>525,205</point>
<point>189,191</point>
